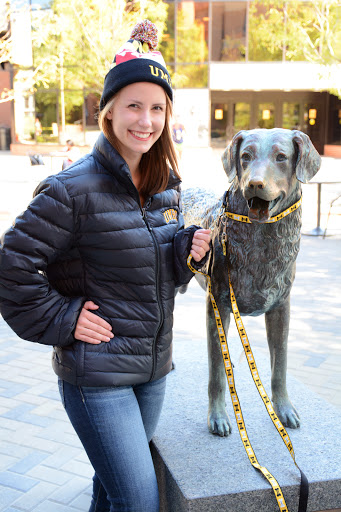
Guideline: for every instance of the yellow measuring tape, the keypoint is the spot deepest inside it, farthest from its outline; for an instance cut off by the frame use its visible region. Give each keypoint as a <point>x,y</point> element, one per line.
<point>254,372</point>
<point>243,218</point>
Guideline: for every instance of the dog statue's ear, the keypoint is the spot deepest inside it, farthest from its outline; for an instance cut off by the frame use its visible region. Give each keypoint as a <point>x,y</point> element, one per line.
<point>230,156</point>
<point>308,159</point>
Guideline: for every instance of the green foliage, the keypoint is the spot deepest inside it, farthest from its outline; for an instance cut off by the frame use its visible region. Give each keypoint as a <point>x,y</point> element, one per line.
<point>88,33</point>
<point>273,30</point>
<point>191,76</point>
<point>191,44</point>
<point>190,48</point>
<point>166,46</point>
<point>82,36</point>
<point>295,31</point>
<point>233,49</point>
<point>46,104</point>
<point>265,33</point>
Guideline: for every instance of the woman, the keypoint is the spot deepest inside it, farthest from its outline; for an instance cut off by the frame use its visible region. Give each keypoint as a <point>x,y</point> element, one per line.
<point>91,268</point>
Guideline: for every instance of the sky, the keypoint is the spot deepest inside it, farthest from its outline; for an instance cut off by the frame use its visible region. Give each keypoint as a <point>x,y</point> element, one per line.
<point>33,3</point>
<point>40,3</point>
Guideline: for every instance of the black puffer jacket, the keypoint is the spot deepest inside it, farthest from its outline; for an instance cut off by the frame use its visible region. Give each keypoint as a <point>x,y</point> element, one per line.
<point>85,237</point>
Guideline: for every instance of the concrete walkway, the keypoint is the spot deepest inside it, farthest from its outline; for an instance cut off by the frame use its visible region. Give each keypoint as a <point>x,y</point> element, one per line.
<point>42,465</point>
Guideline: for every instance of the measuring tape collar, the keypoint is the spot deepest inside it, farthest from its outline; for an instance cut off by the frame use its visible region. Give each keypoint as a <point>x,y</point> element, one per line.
<point>245,218</point>
<point>304,486</point>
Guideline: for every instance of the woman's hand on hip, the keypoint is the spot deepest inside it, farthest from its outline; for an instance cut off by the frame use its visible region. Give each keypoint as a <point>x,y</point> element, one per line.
<point>90,327</point>
<point>201,243</point>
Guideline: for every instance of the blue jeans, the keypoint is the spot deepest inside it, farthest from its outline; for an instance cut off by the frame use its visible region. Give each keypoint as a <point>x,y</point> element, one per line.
<point>115,425</point>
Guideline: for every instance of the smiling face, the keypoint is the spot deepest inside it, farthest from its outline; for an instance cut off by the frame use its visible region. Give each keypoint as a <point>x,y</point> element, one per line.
<point>138,118</point>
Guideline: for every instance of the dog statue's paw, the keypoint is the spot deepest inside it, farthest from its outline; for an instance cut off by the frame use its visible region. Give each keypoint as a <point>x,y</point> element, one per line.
<point>219,423</point>
<point>287,414</point>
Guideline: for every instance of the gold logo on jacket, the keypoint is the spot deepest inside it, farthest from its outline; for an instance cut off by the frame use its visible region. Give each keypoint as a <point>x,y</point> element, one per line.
<point>170,215</point>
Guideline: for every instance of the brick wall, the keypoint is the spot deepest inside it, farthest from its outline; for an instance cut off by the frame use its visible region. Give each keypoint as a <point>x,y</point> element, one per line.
<point>5,108</point>
<point>331,150</point>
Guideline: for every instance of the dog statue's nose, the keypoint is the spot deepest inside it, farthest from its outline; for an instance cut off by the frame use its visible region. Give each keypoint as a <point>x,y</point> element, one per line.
<point>256,183</point>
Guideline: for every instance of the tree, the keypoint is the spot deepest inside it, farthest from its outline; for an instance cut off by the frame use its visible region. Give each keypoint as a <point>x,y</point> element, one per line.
<point>297,31</point>
<point>5,33</point>
<point>189,68</point>
<point>11,21</point>
<point>5,46</point>
<point>321,39</point>
<point>85,35</point>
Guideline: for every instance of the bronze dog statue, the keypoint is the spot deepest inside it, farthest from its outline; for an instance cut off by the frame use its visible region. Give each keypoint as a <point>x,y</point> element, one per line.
<point>266,168</point>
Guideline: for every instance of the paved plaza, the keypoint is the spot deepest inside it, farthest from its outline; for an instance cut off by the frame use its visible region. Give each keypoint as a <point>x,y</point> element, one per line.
<point>42,465</point>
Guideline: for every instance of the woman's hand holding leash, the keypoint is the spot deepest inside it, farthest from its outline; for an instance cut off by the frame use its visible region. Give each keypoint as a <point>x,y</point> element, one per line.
<point>201,243</point>
<point>92,328</point>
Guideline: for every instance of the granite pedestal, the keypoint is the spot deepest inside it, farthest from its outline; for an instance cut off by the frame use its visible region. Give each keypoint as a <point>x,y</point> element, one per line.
<point>204,473</point>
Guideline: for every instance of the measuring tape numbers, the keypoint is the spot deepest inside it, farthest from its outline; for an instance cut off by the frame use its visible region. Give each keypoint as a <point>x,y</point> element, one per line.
<point>304,488</point>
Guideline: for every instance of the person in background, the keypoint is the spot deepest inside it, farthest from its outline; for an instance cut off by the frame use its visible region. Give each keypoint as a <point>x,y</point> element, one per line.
<point>72,154</point>
<point>37,127</point>
<point>91,268</point>
<point>178,134</point>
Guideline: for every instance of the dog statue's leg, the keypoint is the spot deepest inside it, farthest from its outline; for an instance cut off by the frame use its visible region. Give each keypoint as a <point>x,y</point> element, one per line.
<point>218,420</point>
<point>277,328</point>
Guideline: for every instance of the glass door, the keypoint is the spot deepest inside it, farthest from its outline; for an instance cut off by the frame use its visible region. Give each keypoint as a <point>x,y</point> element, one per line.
<point>219,112</point>
<point>291,116</point>
<point>241,117</point>
<point>266,115</point>
<point>313,124</point>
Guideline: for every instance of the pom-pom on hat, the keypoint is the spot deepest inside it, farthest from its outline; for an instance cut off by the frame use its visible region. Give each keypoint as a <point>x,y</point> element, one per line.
<point>137,61</point>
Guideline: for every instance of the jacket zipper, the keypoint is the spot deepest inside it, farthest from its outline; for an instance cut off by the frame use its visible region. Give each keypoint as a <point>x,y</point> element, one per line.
<point>157,276</point>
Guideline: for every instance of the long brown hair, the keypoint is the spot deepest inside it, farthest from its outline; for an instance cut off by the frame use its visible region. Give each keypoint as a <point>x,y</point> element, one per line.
<point>154,165</point>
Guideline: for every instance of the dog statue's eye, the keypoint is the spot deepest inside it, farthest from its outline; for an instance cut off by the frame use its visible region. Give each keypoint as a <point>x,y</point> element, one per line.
<point>281,157</point>
<point>246,157</point>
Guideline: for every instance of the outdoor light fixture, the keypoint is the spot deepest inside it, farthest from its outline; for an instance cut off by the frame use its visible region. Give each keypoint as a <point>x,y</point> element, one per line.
<point>266,114</point>
<point>312,116</point>
<point>218,114</point>
<point>312,113</point>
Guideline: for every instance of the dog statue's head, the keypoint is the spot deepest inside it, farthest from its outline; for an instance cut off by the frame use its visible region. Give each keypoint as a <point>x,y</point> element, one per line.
<point>267,165</point>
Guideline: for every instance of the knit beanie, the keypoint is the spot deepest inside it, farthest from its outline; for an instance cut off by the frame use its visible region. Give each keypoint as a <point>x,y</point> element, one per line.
<point>137,61</point>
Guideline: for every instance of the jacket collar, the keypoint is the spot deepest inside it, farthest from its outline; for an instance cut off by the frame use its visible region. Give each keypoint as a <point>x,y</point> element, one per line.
<point>107,155</point>
<point>173,180</point>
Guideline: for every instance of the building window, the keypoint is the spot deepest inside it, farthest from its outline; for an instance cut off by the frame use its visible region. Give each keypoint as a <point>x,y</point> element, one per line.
<point>335,121</point>
<point>185,43</point>
<point>241,116</point>
<point>266,115</point>
<point>191,76</point>
<point>291,116</point>
<point>229,25</point>
<point>192,32</point>
<point>219,122</point>
<point>264,25</point>
<point>167,45</point>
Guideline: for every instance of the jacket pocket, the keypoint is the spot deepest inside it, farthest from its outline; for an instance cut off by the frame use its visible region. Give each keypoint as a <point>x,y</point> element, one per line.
<point>99,313</point>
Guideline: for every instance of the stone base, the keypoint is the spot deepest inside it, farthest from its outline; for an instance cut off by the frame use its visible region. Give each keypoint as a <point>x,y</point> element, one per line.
<point>204,473</point>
